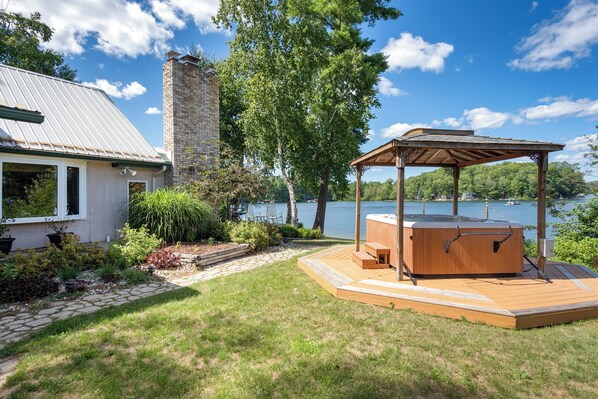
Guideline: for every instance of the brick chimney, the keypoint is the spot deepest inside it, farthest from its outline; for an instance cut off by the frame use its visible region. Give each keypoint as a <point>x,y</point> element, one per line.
<point>191,117</point>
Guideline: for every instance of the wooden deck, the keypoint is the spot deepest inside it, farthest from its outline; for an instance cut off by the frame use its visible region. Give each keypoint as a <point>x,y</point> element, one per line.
<point>522,301</point>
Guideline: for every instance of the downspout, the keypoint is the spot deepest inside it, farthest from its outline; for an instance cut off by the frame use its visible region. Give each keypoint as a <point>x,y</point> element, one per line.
<point>158,173</point>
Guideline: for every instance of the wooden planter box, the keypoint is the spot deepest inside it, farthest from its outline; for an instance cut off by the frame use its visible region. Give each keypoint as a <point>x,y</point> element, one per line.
<point>205,260</point>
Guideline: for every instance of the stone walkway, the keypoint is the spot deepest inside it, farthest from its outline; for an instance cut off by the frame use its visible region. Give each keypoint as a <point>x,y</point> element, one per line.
<point>16,327</point>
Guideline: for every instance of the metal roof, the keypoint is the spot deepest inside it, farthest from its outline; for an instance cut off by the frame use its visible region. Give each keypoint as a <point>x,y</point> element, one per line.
<point>79,120</point>
<point>444,147</point>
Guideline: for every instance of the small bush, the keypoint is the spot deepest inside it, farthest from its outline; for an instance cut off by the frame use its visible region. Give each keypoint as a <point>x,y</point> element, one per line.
<point>133,276</point>
<point>134,246</point>
<point>252,233</point>
<point>68,273</point>
<point>109,274</point>
<point>164,258</point>
<point>274,235</point>
<point>289,231</point>
<point>310,233</point>
<point>26,275</point>
<point>583,252</point>
<point>171,214</point>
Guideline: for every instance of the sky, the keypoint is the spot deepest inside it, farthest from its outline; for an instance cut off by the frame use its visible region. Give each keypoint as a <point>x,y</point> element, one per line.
<point>509,68</point>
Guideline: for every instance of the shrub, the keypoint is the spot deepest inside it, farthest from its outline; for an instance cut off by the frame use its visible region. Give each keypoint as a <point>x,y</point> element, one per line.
<point>274,235</point>
<point>134,246</point>
<point>68,273</point>
<point>26,275</point>
<point>252,233</point>
<point>164,258</point>
<point>289,231</point>
<point>172,214</point>
<point>310,233</point>
<point>135,276</point>
<point>109,274</point>
<point>584,251</point>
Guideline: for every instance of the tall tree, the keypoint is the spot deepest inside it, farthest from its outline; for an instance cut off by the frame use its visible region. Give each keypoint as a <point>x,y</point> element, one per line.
<point>273,54</point>
<point>343,95</point>
<point>20,46</point>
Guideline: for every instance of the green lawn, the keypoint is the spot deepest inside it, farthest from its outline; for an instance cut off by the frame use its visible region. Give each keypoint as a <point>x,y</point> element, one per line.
<point>273,332</point>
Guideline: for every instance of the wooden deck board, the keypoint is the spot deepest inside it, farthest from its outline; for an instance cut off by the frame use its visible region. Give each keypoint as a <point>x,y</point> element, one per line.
<point>522,301</point>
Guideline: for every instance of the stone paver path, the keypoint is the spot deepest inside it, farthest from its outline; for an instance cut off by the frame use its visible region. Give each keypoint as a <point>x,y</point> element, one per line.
<point>16,327</point>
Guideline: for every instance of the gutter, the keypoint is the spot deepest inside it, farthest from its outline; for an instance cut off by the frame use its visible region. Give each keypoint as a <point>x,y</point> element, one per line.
<point>158,173</point>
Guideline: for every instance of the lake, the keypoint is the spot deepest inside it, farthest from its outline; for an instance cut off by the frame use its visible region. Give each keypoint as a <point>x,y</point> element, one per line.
<point>340,215</point>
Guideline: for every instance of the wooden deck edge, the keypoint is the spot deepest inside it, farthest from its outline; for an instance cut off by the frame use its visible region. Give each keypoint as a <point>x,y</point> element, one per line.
<point>555,309</point>
<point>554,318</point>
<point>474,316</point>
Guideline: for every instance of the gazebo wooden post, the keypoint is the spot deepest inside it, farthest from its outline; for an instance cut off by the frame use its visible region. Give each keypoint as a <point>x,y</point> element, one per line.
<point>542,170</point>
<point>456,173</point>
<point>400,163</point>
<point>357,207</point>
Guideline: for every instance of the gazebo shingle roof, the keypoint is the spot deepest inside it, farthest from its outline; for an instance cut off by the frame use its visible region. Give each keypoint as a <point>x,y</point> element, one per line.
<point>438,147</point>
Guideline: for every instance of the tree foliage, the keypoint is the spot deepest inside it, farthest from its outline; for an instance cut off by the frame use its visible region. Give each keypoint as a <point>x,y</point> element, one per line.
<point>504,180</point>
<point>20,46</point>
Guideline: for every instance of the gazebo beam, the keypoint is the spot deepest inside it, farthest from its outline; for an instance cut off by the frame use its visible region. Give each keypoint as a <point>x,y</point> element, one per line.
<point>358,171</point>
<point>400,163</point>
<point>542,170</point>
<point>502,157</point>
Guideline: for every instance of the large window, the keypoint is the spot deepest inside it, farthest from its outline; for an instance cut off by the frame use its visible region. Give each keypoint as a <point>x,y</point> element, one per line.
<point>35,189</point>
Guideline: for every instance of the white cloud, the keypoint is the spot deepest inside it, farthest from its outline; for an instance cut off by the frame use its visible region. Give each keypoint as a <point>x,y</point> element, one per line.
<point>483,118</point>
<point>121,28</point>
<point>580,143</point>
<point>117,90</point>
<point>559,43</point>
<point>414,52</point>
<point>101,66</point>
<point>560,107</point>
<point>398,129</point>
<point>452,122</point>
<point>371,134</point>
<point>387,88</point>
<point>534,5</point>
<point>153,111</point>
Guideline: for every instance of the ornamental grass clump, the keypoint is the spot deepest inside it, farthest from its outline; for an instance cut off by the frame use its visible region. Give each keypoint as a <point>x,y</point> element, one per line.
<point>171,214</point>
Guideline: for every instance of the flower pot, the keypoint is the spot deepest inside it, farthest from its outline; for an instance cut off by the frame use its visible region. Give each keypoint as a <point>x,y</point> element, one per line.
<point>6,244</point>
<point>56,239</point>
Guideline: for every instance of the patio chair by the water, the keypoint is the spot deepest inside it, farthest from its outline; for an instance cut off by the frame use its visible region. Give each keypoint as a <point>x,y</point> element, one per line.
<point>249,213</point>
<point>272,216</point>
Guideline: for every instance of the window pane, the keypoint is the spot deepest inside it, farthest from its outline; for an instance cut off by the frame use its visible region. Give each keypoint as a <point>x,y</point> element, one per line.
<point>29,190</point>
<point>136,187</point>
<point>72,190</point>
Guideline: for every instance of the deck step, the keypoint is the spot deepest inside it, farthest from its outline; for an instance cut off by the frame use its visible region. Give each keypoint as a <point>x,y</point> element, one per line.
<point>378,251</point>
<point>367,261</point>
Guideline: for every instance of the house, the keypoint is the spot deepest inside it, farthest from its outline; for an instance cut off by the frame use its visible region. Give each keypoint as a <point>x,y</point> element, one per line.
<point>68,153</point>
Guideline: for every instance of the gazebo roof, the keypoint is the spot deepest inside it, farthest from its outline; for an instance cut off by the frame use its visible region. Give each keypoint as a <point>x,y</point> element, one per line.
<point>443,147</point>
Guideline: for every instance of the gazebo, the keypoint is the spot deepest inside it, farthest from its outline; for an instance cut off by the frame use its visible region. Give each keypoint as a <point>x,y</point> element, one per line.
<point>453,149</point>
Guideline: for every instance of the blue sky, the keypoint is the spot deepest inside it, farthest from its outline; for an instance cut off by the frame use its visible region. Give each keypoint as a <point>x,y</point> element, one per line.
<point>525,69</point>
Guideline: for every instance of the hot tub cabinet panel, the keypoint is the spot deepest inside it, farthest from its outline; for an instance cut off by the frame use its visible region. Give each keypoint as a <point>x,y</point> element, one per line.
<point>425,238</point>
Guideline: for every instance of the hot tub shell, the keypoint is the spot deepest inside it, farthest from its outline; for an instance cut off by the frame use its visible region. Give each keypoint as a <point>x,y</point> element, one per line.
<point>425,244</point>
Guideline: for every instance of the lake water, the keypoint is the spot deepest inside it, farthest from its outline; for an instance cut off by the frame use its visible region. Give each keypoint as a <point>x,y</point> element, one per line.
<point>340,215</point>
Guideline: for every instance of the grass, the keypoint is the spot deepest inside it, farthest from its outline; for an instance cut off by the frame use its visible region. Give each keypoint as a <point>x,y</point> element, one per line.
<point>273,332</point>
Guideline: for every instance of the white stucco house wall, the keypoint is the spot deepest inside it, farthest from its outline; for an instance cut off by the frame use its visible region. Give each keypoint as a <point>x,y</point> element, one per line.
<point>80,163</point>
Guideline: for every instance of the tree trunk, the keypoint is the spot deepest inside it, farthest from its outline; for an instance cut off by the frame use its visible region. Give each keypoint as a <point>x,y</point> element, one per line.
<point>290,186</point>
<point>322,200</point>
<point>288,219</point>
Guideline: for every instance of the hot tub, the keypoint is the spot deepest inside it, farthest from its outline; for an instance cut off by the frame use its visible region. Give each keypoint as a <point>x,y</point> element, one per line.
<point>446,244</point>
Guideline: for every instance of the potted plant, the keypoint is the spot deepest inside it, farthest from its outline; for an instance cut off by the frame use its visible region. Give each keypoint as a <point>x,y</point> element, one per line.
<point>5,239</point>
<point>59,227</point>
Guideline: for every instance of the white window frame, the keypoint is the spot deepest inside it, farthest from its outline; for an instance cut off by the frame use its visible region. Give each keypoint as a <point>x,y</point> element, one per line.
<point>136,181</point>
<point>61,167</point>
